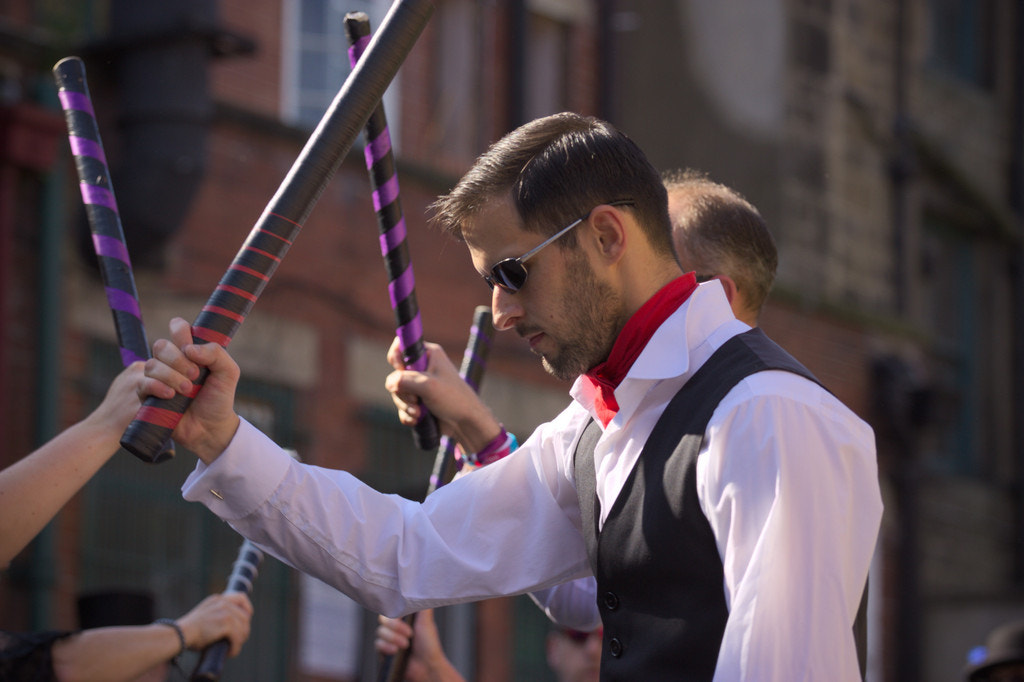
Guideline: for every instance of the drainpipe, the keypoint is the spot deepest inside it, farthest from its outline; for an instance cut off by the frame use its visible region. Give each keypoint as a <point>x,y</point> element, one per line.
<point>34,132</point>
<point>158,54</point>
<point>8,190</point>
<point>606,44</point>
<point>906,472</point>
<point>1016,199</point>
<point>516,106</point>
<point>901,163</point>
<point>51,219</point>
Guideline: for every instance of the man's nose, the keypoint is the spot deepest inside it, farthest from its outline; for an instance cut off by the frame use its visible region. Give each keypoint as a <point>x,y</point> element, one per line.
<point>505,309</point>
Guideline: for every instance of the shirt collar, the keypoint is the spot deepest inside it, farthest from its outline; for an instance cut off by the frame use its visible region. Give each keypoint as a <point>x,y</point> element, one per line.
<point>680,345</point>
<point>634,337</point>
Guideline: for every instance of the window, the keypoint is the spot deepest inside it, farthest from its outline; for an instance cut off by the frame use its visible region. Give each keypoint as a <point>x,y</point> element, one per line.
<point>546,91</point>
<point>530,649</point>
<point>962,33</point>
<point>393,463</point>
<point>967,296</point>
<point>315,61</point>
<point>460,62</point>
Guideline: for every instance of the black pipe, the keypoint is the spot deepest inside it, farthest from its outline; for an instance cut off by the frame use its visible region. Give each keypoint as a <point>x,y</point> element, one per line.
<point>157,57</point>
<point>1016,200</point>
<point>905,469</point>
<point>516,106</point>
<point>901,162</point>
<point>606,45</point>
<point>164,114</point>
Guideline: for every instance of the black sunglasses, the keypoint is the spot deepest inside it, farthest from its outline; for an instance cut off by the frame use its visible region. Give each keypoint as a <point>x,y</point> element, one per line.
<point>510,273</point>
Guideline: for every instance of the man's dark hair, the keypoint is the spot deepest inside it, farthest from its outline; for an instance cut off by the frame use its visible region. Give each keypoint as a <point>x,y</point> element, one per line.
<point>556,169</point>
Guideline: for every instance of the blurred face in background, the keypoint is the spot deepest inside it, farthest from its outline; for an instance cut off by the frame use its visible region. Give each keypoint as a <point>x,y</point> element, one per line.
<point>575,656</point>
<point>1008,672</point>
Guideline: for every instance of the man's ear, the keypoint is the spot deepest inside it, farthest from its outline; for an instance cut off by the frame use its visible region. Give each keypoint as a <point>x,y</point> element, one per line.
<point>609,231</point>
<point>729,285</point>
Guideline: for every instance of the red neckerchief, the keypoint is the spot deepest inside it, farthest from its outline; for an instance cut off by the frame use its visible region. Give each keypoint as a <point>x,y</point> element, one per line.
<point>606,376</point>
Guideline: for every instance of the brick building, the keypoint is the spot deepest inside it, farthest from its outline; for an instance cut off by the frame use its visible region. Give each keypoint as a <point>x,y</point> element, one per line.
<point>881,140</point>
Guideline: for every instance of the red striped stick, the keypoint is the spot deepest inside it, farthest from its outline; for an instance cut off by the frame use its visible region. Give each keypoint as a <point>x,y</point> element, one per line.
<point>282,219</point>
<point>380,162</point>
<point>104,218</point>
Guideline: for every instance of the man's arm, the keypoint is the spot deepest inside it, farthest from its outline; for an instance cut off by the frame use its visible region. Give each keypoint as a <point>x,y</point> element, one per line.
<point>390,554</point>
<point>571,605</point>
<point>33,489</point>
<point>484,535</point>
<point>463,416</point>
<point>788,480</point>
<point>125,652</point>
<point>460,409</point>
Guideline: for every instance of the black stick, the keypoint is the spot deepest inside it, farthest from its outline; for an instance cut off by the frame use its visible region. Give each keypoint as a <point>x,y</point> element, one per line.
<point>474,361</point>
<point>282,219</point>
<point>243,573</point>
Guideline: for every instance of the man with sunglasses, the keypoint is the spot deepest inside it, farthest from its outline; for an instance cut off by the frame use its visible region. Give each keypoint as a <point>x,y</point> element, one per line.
<point>715,231</point>
<point>730,540</point>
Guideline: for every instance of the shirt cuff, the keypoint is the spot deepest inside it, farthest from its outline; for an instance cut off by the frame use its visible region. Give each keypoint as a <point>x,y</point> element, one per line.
<point>242,478</point>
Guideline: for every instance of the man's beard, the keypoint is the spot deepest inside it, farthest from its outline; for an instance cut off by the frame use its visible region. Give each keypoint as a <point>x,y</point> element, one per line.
<point>593,311</point>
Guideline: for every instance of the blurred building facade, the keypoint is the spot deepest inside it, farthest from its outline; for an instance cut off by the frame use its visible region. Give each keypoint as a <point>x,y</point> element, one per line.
<point>881,140</point>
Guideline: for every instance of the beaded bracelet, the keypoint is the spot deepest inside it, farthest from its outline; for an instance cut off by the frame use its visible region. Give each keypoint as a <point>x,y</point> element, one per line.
<point>181,636</point>
<point>500,446</point>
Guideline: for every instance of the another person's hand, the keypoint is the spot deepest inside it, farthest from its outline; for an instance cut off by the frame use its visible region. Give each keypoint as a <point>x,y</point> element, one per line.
<point>427,662</point>
<point>209,424</point>
<point>456,405</point>
<point>34,488</point>
<point>216,617</point>
<point>121,402</point>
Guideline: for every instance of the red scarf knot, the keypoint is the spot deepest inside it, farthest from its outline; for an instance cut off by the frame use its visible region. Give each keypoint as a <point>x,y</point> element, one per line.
<point>633,338</point>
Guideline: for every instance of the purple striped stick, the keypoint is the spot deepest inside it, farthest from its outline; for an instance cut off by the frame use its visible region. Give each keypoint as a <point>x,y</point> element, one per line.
<point>282,219</point>
<point>474,361</point>
<point>101,211</point>
<point>380,162</point>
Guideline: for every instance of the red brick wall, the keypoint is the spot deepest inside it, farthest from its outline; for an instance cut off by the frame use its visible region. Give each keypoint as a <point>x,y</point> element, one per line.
<point>252,82</point>
<point>837,352</point>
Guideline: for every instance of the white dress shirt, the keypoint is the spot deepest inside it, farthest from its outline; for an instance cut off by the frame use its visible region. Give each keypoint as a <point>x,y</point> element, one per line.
<point>786,475</point>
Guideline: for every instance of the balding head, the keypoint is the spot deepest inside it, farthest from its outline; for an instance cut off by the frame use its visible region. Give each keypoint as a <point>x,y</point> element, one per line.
<point>717,232</point>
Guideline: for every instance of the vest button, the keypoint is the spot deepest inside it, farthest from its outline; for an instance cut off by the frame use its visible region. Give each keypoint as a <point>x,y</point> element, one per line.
<point>611,601</point>
<point>615,647</point>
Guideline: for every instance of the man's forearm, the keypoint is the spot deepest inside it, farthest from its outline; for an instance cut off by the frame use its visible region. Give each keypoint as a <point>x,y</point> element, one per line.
<point>114,653</point>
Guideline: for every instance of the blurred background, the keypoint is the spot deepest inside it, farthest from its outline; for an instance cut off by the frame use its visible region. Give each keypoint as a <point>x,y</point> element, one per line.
<point>883,141</point>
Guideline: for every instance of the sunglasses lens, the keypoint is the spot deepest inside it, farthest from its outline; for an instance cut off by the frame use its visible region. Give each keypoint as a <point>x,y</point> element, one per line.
<point>509,274</point>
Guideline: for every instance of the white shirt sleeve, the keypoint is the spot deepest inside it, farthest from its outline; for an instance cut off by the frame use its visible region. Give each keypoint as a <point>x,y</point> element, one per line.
<point>795,506</point>
<point>509,528</point>
<point>571,605</point>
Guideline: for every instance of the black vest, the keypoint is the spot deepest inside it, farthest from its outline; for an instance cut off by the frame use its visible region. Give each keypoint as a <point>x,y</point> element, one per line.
<point>659,576</point>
